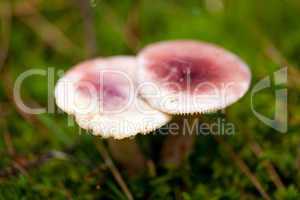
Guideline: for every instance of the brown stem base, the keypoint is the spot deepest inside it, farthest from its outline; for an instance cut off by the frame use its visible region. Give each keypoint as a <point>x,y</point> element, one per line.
<point>128,154</point>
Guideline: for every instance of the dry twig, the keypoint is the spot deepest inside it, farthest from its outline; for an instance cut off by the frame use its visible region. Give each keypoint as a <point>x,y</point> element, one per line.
<point>48,32</point>
<point>89,30</point>
<point>244,168</point>
<point>8,142</point>
<point>272,52</point>
<point>256,148</point>
<point>5,13</point>
<point>131,29</point>
<point>108,161</point>
<point>22,165</point>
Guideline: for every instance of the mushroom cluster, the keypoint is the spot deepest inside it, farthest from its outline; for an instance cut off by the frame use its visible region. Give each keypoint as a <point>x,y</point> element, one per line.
<point>122,96</point>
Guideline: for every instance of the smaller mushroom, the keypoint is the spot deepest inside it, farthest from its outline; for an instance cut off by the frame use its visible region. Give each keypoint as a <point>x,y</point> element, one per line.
<point>190,77</point>
<point>102,96</point>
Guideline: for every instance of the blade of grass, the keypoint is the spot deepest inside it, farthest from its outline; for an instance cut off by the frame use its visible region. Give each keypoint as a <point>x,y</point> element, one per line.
<point>54,128</point>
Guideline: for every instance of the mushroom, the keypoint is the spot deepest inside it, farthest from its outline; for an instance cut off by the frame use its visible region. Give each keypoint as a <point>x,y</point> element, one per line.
<point>101,94</point>
<point>190,77</point>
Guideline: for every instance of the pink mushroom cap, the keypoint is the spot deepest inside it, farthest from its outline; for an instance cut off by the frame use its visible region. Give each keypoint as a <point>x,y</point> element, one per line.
<point>185,76</point>
<point>102,95</point>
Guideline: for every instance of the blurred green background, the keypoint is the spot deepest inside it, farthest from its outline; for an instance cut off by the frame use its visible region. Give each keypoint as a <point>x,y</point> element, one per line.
<point>42,157</point>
